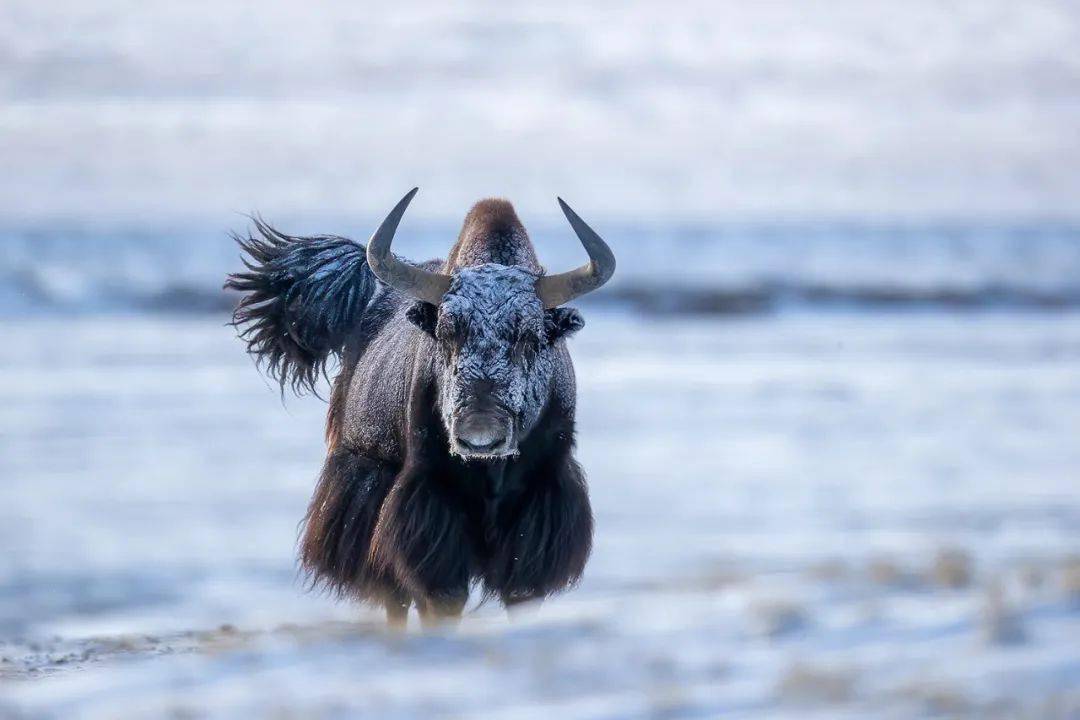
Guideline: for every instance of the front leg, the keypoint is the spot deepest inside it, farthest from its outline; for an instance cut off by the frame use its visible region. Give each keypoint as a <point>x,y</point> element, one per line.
<point>397,610</point>
<point>420,538</point>
<point>440,613</point>
<point>545,546</point>
<point>340,521</point>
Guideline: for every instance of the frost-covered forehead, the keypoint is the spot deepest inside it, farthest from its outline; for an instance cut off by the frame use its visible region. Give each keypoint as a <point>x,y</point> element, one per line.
<point>498,365</point>
<point>496,297</point>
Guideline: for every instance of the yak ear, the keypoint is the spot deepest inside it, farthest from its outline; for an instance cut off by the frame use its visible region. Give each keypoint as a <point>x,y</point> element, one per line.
<point>562,321</point>
<point>423,315</point>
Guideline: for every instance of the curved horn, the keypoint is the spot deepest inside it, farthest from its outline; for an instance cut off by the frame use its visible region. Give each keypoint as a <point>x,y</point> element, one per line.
<point>403,277</point>
<point>555,290</point>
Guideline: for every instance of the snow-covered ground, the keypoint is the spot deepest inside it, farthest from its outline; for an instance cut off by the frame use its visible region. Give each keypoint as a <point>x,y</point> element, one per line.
<point>808,514</point>
<point>835,465</point>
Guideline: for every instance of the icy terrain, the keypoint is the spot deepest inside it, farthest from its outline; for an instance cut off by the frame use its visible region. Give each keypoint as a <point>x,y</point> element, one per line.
<point>829,406</point>
<point>801,515</point>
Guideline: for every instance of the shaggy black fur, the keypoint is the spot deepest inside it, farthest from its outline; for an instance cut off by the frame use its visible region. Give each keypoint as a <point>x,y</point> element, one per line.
<point>546,543</point>
<point>302,297</point>
<point>339,523</point>
<point>434,525</point>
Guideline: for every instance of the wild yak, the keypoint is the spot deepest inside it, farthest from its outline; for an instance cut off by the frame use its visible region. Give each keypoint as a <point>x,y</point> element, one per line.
<point>450,429</point>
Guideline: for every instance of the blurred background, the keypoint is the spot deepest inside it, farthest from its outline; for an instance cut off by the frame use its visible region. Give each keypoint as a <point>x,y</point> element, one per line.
<point>829,406</point>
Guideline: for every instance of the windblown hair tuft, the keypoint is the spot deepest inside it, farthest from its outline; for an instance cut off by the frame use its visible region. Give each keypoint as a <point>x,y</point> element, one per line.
<point>302,296</point>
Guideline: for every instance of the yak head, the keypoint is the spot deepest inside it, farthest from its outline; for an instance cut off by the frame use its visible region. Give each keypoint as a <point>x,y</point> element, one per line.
<point>496,330</point>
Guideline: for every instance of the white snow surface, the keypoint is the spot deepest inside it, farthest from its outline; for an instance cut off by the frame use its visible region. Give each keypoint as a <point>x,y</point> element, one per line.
<point>802,515</point>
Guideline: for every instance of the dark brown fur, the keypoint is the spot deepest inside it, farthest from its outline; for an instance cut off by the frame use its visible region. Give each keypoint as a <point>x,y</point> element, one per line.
<point>492,233</point>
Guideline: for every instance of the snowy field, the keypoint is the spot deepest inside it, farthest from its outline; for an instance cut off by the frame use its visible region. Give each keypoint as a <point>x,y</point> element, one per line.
<point>827,514</point>
<point>829,406</point>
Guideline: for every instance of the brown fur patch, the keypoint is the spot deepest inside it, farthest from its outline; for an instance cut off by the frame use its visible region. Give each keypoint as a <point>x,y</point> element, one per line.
<point>492,233</point>
<point>494,215</point>
<point>335,416</point>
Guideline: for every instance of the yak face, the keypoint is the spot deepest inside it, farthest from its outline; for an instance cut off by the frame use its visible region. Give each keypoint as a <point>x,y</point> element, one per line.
<point>496,327</point>
<point>497,356</point>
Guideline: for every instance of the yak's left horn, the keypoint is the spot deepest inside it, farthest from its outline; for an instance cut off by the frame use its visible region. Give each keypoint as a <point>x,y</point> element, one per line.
<point>555,290</point>
<point>403,277</point>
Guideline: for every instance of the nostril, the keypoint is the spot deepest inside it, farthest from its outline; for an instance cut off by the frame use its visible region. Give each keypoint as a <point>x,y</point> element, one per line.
<point>480,432</point>
<point>481,443</point>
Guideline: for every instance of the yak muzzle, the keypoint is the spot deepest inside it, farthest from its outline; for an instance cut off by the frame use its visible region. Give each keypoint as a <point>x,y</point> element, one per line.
<point>481,434</point>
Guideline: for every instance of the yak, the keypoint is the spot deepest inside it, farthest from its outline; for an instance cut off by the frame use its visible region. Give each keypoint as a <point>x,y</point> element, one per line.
<point>450,429</point>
